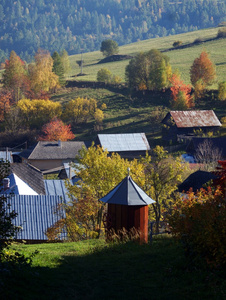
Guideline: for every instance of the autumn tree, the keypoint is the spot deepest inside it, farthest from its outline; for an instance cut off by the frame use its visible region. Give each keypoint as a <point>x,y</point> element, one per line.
<point>41,75</point>
<point>162,174</point>
<point>56,130</point>
<point>80,110</point>
<point>15,77</point>
<point>180,93</point>
<point>5,103</point>
<point>99,173</point>
<point>203,70</point>
<point>148,70</point>
<point>37,112</point>
<point>109,47</point>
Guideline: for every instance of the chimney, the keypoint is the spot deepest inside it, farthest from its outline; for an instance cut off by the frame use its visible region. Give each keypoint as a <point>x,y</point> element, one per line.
<point>6,184</point>
<point>59,143</point>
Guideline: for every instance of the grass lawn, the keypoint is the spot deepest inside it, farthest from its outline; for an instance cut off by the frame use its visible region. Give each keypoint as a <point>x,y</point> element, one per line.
<point>180,59</point>
<point>94,270</point>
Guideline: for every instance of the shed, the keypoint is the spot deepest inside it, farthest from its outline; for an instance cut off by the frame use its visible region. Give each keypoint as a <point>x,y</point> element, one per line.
<point>128,208</point>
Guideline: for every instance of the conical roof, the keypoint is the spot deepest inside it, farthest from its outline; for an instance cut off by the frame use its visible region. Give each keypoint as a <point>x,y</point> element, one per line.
<point>127,192</point>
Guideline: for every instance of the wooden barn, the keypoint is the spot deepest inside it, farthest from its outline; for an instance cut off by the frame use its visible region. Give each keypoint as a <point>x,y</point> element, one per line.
<point>184,123</point>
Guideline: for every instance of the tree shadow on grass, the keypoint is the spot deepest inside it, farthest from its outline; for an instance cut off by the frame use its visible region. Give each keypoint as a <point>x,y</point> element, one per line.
<point>123,271</point>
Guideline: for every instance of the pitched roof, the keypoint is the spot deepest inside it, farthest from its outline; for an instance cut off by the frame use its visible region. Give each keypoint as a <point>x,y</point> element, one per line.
<point>124,142</point>
<point>30,175</point>
<point>194,118</point>
<point>18,187</point>
<point>35,214</point>
<point>196,181</point>
<point>127,192</point>
<point>56,150</point>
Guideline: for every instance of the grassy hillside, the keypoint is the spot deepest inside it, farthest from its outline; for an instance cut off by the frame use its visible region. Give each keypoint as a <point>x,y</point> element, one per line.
<point>94,270</point>
<point>180,58</point>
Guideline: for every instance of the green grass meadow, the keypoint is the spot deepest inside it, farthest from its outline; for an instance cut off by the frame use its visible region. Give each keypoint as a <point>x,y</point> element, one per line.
<point>93,269</point>
<point>180,59</point>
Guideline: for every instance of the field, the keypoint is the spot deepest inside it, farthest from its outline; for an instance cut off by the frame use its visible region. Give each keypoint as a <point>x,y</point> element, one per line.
<point>180,59</point>
<point>95,270</point>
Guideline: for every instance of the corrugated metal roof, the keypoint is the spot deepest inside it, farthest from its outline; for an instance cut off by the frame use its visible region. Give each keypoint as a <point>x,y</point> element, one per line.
<point>195,118</point>
<point>124,142</point>
<point>6,155</point>
<point>56,187</point>
<point>56,150</point>
<point>35,215</point>
<point>127,192</point>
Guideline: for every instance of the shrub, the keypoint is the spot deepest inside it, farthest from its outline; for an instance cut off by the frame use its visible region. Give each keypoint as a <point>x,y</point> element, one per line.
<point>177,44</point>
<point>198,41</point>
<point>199,222</point>
<point>222,90</point>
<point>221,33</point>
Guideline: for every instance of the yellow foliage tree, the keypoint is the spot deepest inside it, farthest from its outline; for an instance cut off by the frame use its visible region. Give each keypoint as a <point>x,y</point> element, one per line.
<point>81,109</point>
<point>38,112</point>
<point>99,173</point>
<point>41,75</point>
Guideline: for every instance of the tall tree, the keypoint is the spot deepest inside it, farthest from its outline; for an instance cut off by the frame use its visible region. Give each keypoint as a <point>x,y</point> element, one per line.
<point>41,74</point>
<point>58,67</point>
<point>56,130</point>
<point>15,77</point>
<point>65,61</point>
<point>162,174</point>
<point>149,70</point>
<point>203,69</point>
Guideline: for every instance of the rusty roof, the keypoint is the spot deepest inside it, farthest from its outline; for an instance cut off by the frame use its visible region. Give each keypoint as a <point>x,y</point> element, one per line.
<point>195,118</point>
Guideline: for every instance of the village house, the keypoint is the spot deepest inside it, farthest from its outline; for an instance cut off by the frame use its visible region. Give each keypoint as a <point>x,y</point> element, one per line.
<point>52,155</point>
<point>127,145</point>
<point>179,125</point>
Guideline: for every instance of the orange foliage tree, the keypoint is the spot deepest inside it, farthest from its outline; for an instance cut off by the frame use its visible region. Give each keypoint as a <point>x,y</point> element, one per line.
<point>202,69</point>
<point>56,130</point>
<point>5,103</point>
<point>180,93</point>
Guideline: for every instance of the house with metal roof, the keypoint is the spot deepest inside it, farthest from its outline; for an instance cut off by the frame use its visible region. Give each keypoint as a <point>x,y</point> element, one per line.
<point>128,145</point>
<point>24,179</point>
<point>49,155</point>
<point>35,215</point>
<point>185,123</point>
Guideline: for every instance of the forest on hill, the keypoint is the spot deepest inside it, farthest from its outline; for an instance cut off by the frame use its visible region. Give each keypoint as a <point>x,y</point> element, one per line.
<point>81,25</point>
